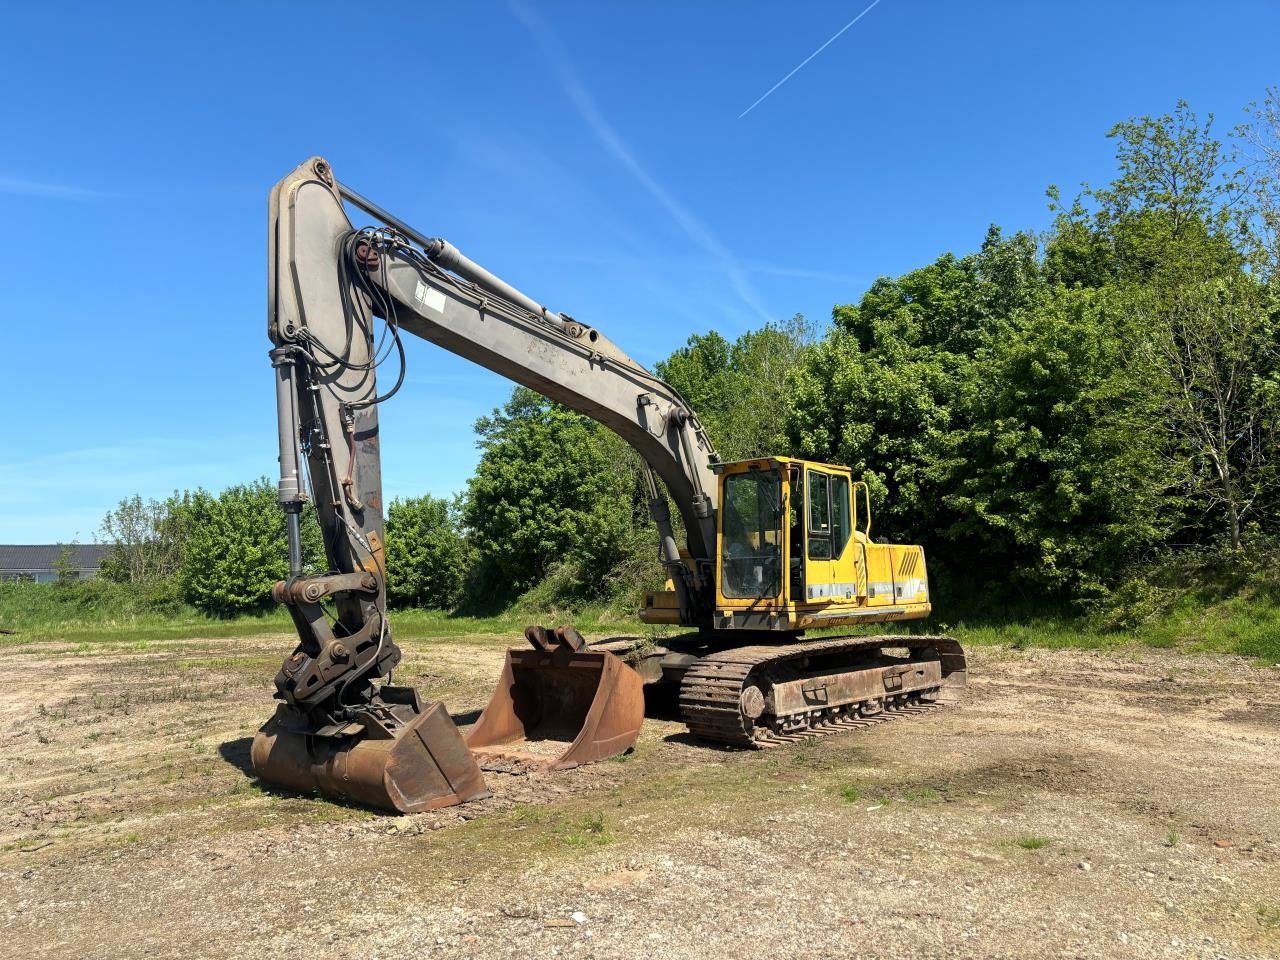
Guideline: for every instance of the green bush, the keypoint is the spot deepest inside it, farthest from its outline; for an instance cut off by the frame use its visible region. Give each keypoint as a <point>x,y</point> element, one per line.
<point>427,557</point>
<point>26,605</point>
<point>236,549</point>
<point>547,491</point>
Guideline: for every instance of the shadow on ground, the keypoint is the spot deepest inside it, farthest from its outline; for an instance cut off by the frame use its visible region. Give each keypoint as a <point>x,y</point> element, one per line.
<point>236,753</point>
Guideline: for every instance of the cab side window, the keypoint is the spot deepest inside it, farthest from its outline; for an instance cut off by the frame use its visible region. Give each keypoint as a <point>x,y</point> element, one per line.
<point>830,515</point>
<point>819,516</point>
<point>841,519</point>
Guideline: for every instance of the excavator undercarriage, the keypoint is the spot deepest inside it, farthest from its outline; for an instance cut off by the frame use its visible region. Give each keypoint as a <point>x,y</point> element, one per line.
<point>772,546</point>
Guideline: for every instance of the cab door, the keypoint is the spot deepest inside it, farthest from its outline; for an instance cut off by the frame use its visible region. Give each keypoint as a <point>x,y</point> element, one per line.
<point>835,566</point>
<point>848,557</point>
<point>818,536</point>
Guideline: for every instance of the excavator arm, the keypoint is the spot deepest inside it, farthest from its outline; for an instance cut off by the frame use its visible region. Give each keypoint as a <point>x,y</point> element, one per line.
<point>329,286</point>
<point>329,280</point>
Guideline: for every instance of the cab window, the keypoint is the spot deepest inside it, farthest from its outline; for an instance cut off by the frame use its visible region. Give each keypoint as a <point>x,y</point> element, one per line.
<point>751,535</point>
<point>830,520</point>
<point>819,516</point>
<point>841,521</point>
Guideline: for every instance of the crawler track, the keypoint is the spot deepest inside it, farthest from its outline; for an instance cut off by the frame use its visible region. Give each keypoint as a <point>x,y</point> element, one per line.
<point>712,691</point>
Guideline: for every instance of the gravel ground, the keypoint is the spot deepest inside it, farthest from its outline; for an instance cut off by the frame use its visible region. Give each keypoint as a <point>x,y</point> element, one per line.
<point>1074,805</point>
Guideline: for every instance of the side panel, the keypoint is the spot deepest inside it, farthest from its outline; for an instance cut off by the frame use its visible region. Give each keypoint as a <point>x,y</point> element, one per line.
<point>880,592</point>
<point>910,581</point>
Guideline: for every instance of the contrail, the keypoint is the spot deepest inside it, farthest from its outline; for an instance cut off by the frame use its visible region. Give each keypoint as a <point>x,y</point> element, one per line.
<point>694,228</point>
<point>42,188</point>
<point>808,58</point>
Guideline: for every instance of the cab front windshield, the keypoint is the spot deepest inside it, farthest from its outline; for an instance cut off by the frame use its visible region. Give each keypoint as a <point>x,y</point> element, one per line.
<point>751,536</point>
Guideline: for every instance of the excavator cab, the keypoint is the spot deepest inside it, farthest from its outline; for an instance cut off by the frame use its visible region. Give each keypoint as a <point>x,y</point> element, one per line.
<point>794,551</point>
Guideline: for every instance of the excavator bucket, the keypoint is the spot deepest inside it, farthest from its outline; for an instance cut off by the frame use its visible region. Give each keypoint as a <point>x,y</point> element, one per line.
<point>407,767</point>
<point>559,705</point>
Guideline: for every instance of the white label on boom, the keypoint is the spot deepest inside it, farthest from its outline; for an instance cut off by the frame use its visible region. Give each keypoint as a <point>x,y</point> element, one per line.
<point>429,297</point>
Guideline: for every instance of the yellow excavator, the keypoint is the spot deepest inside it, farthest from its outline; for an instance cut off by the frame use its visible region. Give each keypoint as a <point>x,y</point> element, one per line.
<point>772,547</point>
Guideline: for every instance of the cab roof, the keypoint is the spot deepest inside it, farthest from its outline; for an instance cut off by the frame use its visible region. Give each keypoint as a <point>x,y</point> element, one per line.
<point>774,463</point>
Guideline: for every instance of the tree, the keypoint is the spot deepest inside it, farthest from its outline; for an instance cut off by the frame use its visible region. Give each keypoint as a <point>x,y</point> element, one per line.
<point>544,493</point>
<point>888,393</point>
<point>1056,482</point>
<point>955,304</point>
<point>1261,155</point>
<point>739,390</point>
<point>1172,164</point>
<point>427,557</point>
<point>1176,208</point>
<point>237,548</point>
<point>65,565</point>
<point>147,537</point>
<point>1214,346</point>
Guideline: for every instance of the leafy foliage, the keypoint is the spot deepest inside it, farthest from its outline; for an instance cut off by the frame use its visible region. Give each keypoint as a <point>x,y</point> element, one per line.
<point>545,493</point>
<point>236,548</point>
<point>1212,345</point>
<point>427,557</point>
<point>148,538</point>
<point>739,390</point>
<point>1054,483</point>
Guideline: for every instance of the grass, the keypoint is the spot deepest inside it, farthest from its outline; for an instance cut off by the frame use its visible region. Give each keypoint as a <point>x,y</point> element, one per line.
<point>1032,842</point>
<point>588,830</point>
<point>97,615</point>
<point>1269,917</point>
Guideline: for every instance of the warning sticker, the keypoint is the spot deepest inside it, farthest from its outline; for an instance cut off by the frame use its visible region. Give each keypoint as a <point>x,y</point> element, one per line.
<point>429,297</point>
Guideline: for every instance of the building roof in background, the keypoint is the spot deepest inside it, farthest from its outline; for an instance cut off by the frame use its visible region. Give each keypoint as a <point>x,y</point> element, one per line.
<point>44,556</point>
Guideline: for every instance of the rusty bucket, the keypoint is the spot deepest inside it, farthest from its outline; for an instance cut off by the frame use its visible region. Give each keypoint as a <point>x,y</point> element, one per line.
<point>408,767</point>
<point>560,704</point>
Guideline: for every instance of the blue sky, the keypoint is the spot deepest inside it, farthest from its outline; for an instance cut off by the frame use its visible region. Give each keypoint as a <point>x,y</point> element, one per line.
<point>590,153</point>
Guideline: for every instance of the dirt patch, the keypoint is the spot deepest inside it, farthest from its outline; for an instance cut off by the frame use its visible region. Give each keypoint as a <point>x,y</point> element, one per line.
<point>1074,804</point>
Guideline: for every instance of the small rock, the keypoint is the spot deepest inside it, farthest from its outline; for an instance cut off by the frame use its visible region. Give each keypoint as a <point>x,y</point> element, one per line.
<point>1222,843</point>
<point>578,917</point>
<point>1086,866</point>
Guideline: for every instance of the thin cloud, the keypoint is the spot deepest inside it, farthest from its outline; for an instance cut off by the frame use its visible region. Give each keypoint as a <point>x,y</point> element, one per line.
<point>62,506</point>
<point>54,191</point>
<point>761,267</point>
<point>586,106</point>
<point>829,42</point>
<point>803,273</point>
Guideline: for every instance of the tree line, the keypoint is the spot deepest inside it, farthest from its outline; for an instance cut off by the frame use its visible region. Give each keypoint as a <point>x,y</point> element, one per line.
<point>1063,417</point>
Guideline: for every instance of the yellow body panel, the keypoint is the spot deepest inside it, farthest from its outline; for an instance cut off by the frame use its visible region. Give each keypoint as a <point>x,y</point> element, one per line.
<point>836,584</point>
